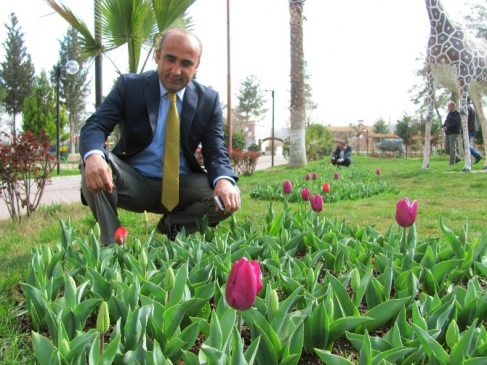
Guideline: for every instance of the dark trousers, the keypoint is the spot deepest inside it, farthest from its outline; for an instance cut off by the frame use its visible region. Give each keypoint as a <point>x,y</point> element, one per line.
<point>346,162</point>
<point>137,193</point>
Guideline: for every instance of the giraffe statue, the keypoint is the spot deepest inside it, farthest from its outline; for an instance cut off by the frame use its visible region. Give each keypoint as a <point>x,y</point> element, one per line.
<point>458,62</point>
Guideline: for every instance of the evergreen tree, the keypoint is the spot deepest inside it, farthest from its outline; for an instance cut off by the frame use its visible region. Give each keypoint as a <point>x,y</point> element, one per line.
<point>39,112</point>
<point>380,126</point>
<point>406,128</point>
<point>308,95</point>
<point>16,72</point>
<point>250,100</point>
<point>73,88</point>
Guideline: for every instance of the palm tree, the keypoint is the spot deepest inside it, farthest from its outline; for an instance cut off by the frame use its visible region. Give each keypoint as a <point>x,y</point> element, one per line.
<point>137,23</point>
<point>297,152</point>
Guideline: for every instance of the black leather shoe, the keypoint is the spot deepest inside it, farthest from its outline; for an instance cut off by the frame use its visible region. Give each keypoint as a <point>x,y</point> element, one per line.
<point>170,231</point>
<point>477,159</point>
<point>457,160</point>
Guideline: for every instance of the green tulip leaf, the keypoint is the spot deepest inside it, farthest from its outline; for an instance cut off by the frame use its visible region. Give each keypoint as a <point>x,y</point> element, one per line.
<point>432,348</point>
<point>135,327</point>
<point>43,348</point>
<point>189,358</point>
<point>340,326</point>
<point>342,299</point>
<point>180,280</point>
<point>456,245</point>
<point>212,356</point>
<point>80,344</point>
<point>238,357</point>
<point>282,314</point>
<point>384,312</point>
<point>329,359</point>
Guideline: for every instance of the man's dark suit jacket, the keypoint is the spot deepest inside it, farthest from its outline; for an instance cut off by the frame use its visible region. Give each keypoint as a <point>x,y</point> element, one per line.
<point>133,105</point>
<point>346,154</point>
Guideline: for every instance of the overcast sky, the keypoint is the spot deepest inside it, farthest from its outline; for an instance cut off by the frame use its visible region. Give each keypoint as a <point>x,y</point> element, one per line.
<point>361,55</point>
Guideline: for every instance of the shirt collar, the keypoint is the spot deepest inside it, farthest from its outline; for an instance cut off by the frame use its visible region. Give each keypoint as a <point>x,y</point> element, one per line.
<point>163,90</point>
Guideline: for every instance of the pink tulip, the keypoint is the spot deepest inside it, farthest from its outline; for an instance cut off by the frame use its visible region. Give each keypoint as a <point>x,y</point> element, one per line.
<point>406,213</point>
<point>287,187</point>
<point>326,187</point>
<point>307,177</point>
<point>317,203</point>
<point>314,176</point>
<point>377,171</point>
<point>243,284</point>
<point>335,175</point>
<point>120,235</point>
<point>305,194</point>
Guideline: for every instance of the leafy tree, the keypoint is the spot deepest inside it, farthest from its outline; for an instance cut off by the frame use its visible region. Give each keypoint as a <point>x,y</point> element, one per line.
<point>319,141</point>
<point>250,102</point>
<point>16,72</point>
<point>73,88</point>
<point>477,20</point>
<point>380,127</point>
<point>406,128</point>
<point>136,24</point>
<point>238,139</point>
<point>297,153</point>
<point>308,94</point>
<point>39,112</point>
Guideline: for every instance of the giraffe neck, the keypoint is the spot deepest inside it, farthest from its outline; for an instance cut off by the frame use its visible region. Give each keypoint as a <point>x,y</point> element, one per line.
<point>440,22</point>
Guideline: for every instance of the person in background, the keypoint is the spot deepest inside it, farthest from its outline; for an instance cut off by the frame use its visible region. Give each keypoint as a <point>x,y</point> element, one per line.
<point>473,127</point>
<point>342,154</point>
<point>452,127</point>
<point>130,176</point>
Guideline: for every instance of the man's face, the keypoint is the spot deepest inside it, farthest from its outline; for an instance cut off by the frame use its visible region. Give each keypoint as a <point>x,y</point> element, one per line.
<point>341,145</point>
<point>451,107</point>
<point>177,60</point>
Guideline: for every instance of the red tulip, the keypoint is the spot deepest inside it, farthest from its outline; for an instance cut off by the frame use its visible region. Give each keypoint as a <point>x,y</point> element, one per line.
<point>305,194</point>
<point>120,235</point>
<point>377,171</point>
<point>317,203</point>
<point>326,187</point>
<point>406,213</point>
<point>243,284</point>
<point>335,175</point>
<point>287,187</point>
<point>307,177</point>
<point>314,176</point>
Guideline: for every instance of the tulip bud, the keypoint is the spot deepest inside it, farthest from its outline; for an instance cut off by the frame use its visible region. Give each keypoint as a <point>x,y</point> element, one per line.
<point>326,187</point>
<point>314,177</point>
<point>46,255</point>
<point>377,171</point>
<point>96,230</point>
<point>120,235</point>
<point>170,280</point>
<point>317,203</point>
<point>143,258</point>
<point>336,176</point>
<point>305,194</point>
<point>103,320</point>
<point>452,335</point>
<point>310,278</point>
<point>355,280</point>
<point>243,284</point>
<point>307,177</point>
<point>116,276</point>
<point>146,217</point>
<point>274,301</point>
<point>287,187</point>
<point>406,213</point>
<point>64,347</point>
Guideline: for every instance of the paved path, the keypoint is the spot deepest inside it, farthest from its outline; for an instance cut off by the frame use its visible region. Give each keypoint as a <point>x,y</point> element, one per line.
<point>65,189</point>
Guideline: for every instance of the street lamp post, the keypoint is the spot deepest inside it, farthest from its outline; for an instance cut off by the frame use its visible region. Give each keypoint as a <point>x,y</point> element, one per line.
<point>272,133</point>
<point>71,68</point>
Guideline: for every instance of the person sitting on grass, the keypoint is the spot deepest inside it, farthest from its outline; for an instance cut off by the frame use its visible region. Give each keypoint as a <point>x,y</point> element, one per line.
<point>342,154</point>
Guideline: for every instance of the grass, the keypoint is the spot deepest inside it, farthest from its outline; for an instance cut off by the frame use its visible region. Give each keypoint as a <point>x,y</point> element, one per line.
<point>441,191</point>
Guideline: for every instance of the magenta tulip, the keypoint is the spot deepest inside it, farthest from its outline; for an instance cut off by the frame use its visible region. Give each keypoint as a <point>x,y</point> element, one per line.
<point>326,187</point>
<point>243,284</point>
<point>307,177</point>
<point>377,171</point>
<point>406,213</point>
<point>317,203</point>
<point>314,177</point>
<point>305,194</point>
<point>335,175</point>
<point>287,187</point>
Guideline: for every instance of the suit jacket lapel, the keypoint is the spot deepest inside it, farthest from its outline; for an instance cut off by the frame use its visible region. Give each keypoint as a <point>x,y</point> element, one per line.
<point>188,110</point>
<point>152,97</point>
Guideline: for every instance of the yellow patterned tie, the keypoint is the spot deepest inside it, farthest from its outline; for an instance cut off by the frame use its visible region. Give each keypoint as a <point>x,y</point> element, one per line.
<point>170,178</point>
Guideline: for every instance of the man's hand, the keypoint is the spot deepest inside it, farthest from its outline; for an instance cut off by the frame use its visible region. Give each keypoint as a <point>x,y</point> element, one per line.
<point>98,175</point>
<point>229,195</point>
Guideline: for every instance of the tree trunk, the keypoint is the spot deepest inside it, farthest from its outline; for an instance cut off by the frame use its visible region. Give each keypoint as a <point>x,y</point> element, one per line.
<point>297,153</point>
